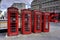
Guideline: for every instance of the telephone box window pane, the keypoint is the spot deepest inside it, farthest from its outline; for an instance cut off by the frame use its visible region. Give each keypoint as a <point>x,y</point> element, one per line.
<point>13,22</point>
<point>46,22</point>
<point>38,22</point>
<point>27,22</point>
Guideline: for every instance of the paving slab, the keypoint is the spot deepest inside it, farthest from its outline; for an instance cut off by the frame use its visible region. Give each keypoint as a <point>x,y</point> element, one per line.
<point>54,34</point>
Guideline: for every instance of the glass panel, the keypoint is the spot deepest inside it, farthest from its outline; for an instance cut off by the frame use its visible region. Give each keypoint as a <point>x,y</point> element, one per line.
<point>27,23</point>
<point>13,22</point>
<point>46,22</point>
<point>13,17</point>
<point>38,22</point>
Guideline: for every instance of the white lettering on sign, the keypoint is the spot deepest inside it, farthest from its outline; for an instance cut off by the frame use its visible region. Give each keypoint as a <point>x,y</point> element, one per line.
<point>12,10</point>
<point>38,12</point>
<point>27,11</point>
<point>47,14</point>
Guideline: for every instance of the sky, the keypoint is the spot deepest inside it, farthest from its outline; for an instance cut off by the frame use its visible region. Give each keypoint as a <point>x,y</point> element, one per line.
<point>7,3</point>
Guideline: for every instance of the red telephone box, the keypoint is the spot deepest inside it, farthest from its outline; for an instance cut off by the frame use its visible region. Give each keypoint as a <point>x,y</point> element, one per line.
<point>45,22</point>
<point>58,17</point>
<point>12,21</point>
<point>53,17</point>
<point>37,21</point>
<point>26,21</point>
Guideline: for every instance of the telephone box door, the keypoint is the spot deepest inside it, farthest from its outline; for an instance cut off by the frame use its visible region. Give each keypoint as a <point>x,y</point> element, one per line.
<point>46,23</point>
<point>37,21</point>
<point>26,21</point>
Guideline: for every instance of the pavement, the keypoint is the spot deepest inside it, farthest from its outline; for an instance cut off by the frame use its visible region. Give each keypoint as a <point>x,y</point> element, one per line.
<point>54,34</point>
